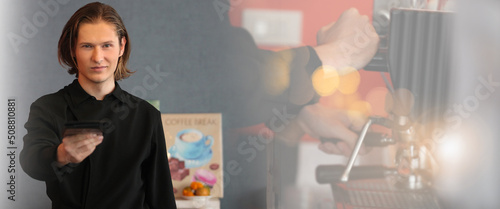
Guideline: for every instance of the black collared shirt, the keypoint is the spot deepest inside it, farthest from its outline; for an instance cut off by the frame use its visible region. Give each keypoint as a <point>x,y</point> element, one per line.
<point>129,169</point>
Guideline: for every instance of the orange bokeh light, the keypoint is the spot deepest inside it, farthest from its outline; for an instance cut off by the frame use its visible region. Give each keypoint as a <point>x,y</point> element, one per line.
<point>325,80</point>
<point>349,80</point>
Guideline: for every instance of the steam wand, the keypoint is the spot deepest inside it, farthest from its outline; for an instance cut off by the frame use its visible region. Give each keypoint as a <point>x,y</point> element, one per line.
<point>345,175</point>
<point>377,120</point>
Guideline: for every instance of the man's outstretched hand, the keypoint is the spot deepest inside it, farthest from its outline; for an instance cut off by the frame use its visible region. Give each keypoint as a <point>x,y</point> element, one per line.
<point>75,148</point>
<point>351,41</point>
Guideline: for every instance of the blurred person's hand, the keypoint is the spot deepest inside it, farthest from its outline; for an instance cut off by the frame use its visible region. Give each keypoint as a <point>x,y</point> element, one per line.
<point>319,121</point>
<point>351,41</point>
<point>75,148</point>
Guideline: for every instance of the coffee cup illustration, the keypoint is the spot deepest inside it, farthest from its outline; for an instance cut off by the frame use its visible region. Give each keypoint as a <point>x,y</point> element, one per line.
<point>192,144</point>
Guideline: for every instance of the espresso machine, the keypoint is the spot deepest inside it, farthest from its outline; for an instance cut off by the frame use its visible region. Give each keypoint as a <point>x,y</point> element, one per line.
<point>415,49</point>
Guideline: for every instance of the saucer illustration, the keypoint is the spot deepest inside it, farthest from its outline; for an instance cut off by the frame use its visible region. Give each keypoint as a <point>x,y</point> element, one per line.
<point>193,163</point>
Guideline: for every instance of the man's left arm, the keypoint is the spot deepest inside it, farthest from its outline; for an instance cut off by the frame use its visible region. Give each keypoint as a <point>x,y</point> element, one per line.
<point>156,172</point>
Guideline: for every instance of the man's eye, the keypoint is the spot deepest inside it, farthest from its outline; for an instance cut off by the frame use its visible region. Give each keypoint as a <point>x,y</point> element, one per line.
<point>86,46</point>
<point>106,45</point>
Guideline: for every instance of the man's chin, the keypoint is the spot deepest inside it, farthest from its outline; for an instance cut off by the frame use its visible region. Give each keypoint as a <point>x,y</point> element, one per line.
<point>98,80</point>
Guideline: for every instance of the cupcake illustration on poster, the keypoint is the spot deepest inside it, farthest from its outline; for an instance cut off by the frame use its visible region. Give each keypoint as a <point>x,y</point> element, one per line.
<point>194,145</point>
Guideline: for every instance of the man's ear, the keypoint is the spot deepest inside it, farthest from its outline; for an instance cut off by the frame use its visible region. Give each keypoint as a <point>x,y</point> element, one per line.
<point>122,46</point>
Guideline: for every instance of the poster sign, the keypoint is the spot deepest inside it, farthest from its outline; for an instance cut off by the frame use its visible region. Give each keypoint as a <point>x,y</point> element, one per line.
<point>194,146</point>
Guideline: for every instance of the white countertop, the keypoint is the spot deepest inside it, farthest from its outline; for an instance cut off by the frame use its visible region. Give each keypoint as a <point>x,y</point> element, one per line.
<point>213,203</point>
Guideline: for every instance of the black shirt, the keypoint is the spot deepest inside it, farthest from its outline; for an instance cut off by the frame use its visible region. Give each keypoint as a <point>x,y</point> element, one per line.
<point>129,169</point>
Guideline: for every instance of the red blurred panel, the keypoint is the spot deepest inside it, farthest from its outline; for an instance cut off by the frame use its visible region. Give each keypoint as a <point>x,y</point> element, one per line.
<point>316,14</point>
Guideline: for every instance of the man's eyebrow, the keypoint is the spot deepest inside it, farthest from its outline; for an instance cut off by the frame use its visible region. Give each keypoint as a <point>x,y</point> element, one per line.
<point>107,42</point>
<point>90,43</point>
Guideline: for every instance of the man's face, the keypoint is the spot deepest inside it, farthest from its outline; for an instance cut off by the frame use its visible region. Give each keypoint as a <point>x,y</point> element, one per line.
<point>97,51</point>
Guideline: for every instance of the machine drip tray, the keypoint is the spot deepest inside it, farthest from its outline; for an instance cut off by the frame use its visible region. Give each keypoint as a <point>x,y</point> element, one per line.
<point>381,194</point>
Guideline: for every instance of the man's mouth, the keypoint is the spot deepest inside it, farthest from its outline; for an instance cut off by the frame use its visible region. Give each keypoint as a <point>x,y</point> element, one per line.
<point>98,67</point>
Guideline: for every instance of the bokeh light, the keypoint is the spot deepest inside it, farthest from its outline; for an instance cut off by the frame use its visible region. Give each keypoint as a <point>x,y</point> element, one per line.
<point>452,147</point>
<point>277,80</point>
<point>358,111</point>
<point>349,80</point>
<point>325,80</point>
<point>361,106</point>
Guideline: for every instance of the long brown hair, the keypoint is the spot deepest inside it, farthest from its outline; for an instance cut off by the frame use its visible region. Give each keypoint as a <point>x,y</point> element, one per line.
<point>92,13</point>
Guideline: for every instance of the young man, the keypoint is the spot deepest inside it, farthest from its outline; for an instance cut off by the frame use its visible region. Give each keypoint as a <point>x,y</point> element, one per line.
<point>125,165</point>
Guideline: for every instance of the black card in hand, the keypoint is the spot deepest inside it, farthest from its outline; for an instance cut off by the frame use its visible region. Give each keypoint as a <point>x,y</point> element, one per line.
<point>79,127</point>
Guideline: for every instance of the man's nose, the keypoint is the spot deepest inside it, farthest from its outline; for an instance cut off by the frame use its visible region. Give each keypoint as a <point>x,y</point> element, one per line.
<point>97,55</point>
